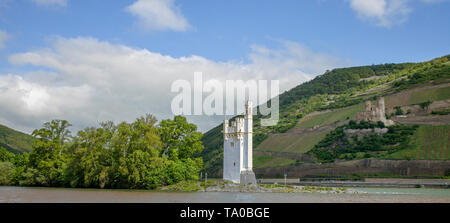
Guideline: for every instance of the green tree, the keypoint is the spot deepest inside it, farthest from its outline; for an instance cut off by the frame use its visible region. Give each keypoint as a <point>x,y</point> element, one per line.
<point>398,110</point>
<point>47,158</point>
<point>6,156</point>
<point>90,161</point>
<point>21,164</point>
<point>180,139</point>
<point>425,105</point>
<point>141,135</point>
<point>6,173</point>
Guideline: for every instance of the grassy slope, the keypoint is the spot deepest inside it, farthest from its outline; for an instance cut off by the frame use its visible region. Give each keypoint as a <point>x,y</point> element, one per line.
<point>330,117</point>
<point>410,97</point>
<point>302,143</point>
<point>429,143</point>
<point>292,143</point>
<point>435,94</point>
<point>269,161</point>
<point>15,141</point>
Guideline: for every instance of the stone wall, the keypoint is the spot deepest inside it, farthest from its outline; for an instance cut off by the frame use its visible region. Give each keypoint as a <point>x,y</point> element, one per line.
<point>374,113</point>
<point>297,156</point>
<point>366,166</point>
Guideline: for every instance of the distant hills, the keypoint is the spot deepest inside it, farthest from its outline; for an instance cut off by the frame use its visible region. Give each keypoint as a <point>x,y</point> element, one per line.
<point>313,109</point>
<point>15,141</point>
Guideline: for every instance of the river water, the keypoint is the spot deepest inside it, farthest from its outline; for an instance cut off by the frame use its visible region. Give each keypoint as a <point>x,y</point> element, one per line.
<point>63,195</point>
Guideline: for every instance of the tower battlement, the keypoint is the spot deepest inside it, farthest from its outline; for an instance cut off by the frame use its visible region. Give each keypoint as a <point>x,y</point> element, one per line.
<point>237,126</point>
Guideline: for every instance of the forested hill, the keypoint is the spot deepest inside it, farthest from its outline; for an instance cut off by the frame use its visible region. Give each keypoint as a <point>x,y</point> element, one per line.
<point>15,141</point>
<point>337,88</point>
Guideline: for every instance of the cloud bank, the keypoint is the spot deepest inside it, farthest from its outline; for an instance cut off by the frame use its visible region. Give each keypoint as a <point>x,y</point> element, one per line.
<point>85,81</point>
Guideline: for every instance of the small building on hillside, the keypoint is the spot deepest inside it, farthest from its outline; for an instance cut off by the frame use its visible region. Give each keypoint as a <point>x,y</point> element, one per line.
<point>374,113</point>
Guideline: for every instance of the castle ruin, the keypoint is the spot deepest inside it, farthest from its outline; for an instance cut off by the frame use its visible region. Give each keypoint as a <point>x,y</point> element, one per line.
<point>374,113</point>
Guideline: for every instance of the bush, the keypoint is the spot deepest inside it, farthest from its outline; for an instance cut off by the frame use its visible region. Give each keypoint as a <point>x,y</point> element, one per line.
<point>398,110</point>
<point>447,173</point>
<point>6,172</point>
<point>441,112</point>
<point>6,156</point>
<point>425,105</point>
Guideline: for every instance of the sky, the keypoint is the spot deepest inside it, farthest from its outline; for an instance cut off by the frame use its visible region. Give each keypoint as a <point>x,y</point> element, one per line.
<point>88,61</point>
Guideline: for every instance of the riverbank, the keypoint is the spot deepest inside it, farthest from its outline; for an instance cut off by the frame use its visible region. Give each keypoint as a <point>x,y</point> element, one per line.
<point>226,186</point>
<point>368,182</point>
<point>364,195</point>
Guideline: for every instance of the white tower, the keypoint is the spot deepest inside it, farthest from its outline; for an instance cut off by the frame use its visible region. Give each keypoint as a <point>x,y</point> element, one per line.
<point>238,148</point>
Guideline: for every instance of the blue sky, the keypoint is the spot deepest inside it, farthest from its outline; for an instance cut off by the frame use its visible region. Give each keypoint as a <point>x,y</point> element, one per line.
<point>212,35</point>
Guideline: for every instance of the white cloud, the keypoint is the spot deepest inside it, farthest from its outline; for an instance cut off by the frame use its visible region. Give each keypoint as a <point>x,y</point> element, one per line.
<point>385,13</point>
<point>158,15</point>
<point>4,36</point>
<point>61,3</point>
<point>94,81</point>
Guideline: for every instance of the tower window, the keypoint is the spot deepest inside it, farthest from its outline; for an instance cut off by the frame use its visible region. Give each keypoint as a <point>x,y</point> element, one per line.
<point>234,163</point>
<point>232,144</point>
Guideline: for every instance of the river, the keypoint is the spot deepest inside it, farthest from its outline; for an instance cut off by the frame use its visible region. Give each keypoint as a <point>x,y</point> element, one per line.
<point>64,195</point>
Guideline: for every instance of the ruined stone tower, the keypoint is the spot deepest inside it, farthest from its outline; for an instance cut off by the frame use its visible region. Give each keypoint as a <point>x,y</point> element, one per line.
<point>374,113</point>
<point>238,148</point>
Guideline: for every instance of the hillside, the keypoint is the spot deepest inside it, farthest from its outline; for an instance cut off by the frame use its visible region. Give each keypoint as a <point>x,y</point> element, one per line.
<point>430,143</point>
<point>15,141</point>
<point>311,110</point>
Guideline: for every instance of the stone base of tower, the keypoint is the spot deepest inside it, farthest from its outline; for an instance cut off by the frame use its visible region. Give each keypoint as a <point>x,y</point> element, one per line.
<point>247,178</point>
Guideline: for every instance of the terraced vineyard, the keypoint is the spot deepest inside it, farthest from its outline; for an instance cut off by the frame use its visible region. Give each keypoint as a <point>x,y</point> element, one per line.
<point>269,161</point>
<point>435,94</point>
<point>419,95</point>
<point>329,117</point>
<point>292,143</point>
<point>430,143</point>
<point>298,140</point>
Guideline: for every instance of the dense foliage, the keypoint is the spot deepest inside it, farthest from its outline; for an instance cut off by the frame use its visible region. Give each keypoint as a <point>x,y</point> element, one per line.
<point>141,154</point>
<point>341,80</point>
<point>341,145</point>
<point>433,70</point>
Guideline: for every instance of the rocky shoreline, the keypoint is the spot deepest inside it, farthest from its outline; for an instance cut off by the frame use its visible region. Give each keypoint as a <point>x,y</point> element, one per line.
<point>276,188</point>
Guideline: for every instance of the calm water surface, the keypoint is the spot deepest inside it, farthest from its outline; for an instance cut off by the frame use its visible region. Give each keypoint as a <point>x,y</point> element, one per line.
<point>53,195</point>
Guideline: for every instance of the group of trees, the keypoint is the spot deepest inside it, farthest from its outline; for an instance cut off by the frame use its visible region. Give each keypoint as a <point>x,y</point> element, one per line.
<point>142,154</point>
<point>436,69</point>
<point>340,145</point>
<point>340,80</point>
